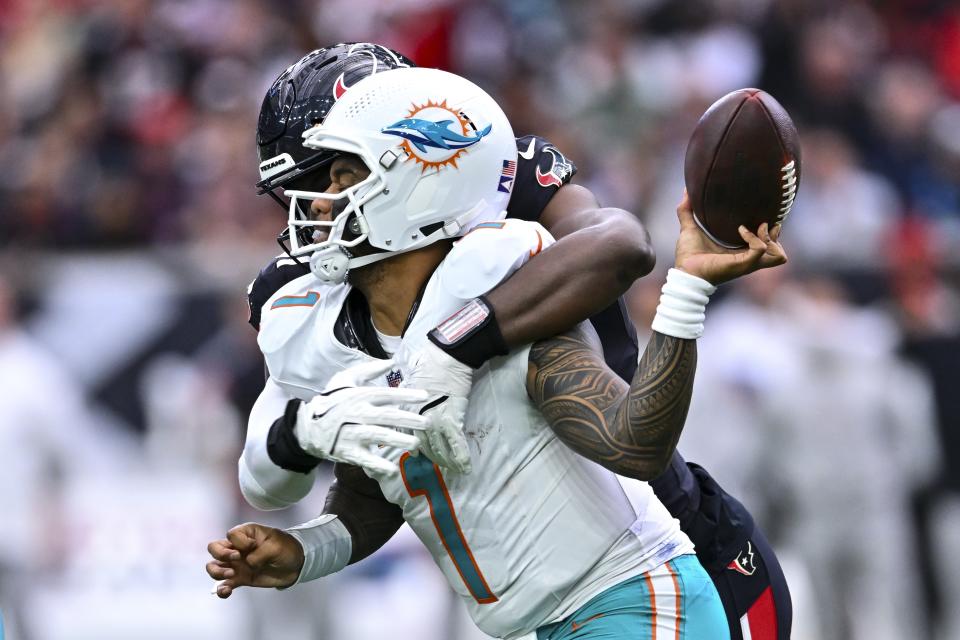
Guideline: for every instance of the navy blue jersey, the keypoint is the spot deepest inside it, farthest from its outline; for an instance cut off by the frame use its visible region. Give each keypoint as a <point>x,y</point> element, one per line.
<point>541,171</point>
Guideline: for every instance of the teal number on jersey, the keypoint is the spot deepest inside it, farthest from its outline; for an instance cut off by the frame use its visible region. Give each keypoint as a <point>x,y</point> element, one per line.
<point>423,478</point>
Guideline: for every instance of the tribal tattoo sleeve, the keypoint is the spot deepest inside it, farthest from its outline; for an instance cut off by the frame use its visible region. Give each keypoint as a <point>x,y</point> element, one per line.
<point>629,430</point>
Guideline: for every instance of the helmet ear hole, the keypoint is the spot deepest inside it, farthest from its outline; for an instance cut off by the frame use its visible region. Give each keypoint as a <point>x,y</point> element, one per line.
<point>354,226</point>
<point>426,230</point>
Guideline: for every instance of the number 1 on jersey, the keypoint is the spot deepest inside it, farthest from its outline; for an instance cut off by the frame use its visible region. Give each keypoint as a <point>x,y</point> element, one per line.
<point>422,478</point>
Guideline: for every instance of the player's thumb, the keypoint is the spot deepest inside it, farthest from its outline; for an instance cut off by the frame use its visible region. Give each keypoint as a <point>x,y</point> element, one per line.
<point>685,212</point>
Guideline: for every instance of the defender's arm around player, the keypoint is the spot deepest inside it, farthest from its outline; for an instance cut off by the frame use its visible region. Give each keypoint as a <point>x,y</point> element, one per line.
<point>630,429</point>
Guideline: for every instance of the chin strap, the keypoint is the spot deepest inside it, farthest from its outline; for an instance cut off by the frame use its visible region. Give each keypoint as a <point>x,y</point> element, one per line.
<point>456,226</point>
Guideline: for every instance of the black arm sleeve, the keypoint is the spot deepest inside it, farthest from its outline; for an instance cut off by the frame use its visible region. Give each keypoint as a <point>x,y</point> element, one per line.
<point>282,445</point>
<point>541,171</point>
<point>359,503</point>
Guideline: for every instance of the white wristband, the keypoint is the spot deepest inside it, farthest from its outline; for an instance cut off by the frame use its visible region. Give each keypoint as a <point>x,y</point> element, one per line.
<point>683,305</point>
<point>326,546</point>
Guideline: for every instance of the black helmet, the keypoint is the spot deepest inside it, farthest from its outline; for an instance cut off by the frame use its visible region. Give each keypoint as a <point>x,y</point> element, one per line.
<point>300,98</point>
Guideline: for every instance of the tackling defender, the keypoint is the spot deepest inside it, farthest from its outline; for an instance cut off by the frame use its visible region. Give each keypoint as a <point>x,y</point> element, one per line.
<point>609,248</point>
<point>535,538</point>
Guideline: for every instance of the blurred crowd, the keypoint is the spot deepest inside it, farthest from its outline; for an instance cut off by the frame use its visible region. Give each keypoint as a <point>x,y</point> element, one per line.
<point>826,394</point>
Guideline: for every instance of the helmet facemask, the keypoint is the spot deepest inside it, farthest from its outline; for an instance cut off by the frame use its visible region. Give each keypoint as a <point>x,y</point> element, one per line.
<point>347,228</point>
<point>336,238</point>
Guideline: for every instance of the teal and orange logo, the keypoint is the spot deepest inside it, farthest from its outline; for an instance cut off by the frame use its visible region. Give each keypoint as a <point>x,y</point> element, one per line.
<point>435,134</point>
<point>306,300</point>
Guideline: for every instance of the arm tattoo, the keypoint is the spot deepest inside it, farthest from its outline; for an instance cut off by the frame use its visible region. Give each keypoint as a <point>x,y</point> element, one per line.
<point>629,430</point>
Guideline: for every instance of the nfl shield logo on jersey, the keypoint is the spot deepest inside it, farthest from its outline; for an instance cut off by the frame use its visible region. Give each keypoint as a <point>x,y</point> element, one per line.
<point>394,378</point>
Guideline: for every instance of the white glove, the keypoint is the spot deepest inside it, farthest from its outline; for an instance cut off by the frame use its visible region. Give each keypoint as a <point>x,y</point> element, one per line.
<point>345,422</point>
<point>448,381</point>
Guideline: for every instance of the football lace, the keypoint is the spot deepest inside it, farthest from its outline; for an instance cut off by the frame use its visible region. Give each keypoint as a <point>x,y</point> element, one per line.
<point>789,179</point>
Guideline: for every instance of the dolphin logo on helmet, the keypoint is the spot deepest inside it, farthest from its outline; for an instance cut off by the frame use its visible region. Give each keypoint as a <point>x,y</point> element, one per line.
<point>437,135</point>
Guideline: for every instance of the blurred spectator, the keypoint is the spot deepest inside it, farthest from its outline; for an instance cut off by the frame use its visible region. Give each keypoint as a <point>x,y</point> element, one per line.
<point>804,408</point>
<point>47,440</point>
<point>846,213</point>
<point>928,310</point>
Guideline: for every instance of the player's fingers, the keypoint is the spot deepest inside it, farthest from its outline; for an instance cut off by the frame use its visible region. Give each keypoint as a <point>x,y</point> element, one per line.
<point>399,418</point>
<point>685,212</point>
<point>388,437</point>
<point>224,589</point>
<point>266,552</point>
<point>776,249</point>
<point>459,452</point>
<point>754,243</point>
<point>438,448</point>
<point>372,462</point>
<point>764,233</point>
<point>223,550</point>
<point>775,256</point>
<point>242,537</point>
<point>220,570</point>
<point>755,250</point>
<point>775,232</point>
<point>748,235</point>
<point>213,570</point>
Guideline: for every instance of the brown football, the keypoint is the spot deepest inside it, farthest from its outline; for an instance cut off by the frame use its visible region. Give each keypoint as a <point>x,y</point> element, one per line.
<point>742,165</point>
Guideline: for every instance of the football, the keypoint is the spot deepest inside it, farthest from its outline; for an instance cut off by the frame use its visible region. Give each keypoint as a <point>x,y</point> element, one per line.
<point>742,165</point>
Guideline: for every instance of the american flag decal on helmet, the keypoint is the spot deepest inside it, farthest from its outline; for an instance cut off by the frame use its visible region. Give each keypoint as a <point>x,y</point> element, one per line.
<point>507,176</point>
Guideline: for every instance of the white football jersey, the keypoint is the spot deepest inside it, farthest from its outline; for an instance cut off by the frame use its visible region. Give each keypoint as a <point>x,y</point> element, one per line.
<point>535,530</point>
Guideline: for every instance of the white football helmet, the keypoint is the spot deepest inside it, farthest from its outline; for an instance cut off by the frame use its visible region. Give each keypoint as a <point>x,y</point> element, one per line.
<point>442,159</point>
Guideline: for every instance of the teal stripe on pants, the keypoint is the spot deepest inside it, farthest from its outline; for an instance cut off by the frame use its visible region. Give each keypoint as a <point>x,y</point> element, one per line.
<point>625,611</point>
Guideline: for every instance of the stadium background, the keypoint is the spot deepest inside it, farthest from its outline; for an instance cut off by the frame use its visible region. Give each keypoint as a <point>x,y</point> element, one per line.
<point>826,395</point>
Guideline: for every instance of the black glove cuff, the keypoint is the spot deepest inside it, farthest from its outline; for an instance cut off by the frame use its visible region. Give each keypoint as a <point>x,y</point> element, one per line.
<point>471,335</point>
<point>282,445</point>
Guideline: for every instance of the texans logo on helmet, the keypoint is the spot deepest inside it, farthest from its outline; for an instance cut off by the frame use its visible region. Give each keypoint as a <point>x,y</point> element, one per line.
<point>744,562</point>
<point>339,87</point>
<point>560,168</point>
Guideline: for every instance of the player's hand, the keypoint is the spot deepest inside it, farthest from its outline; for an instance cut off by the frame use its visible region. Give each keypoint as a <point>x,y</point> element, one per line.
<point>346,423</point>
<point>448,382</point>
<point>698,255</point>
<point>254,555</point>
